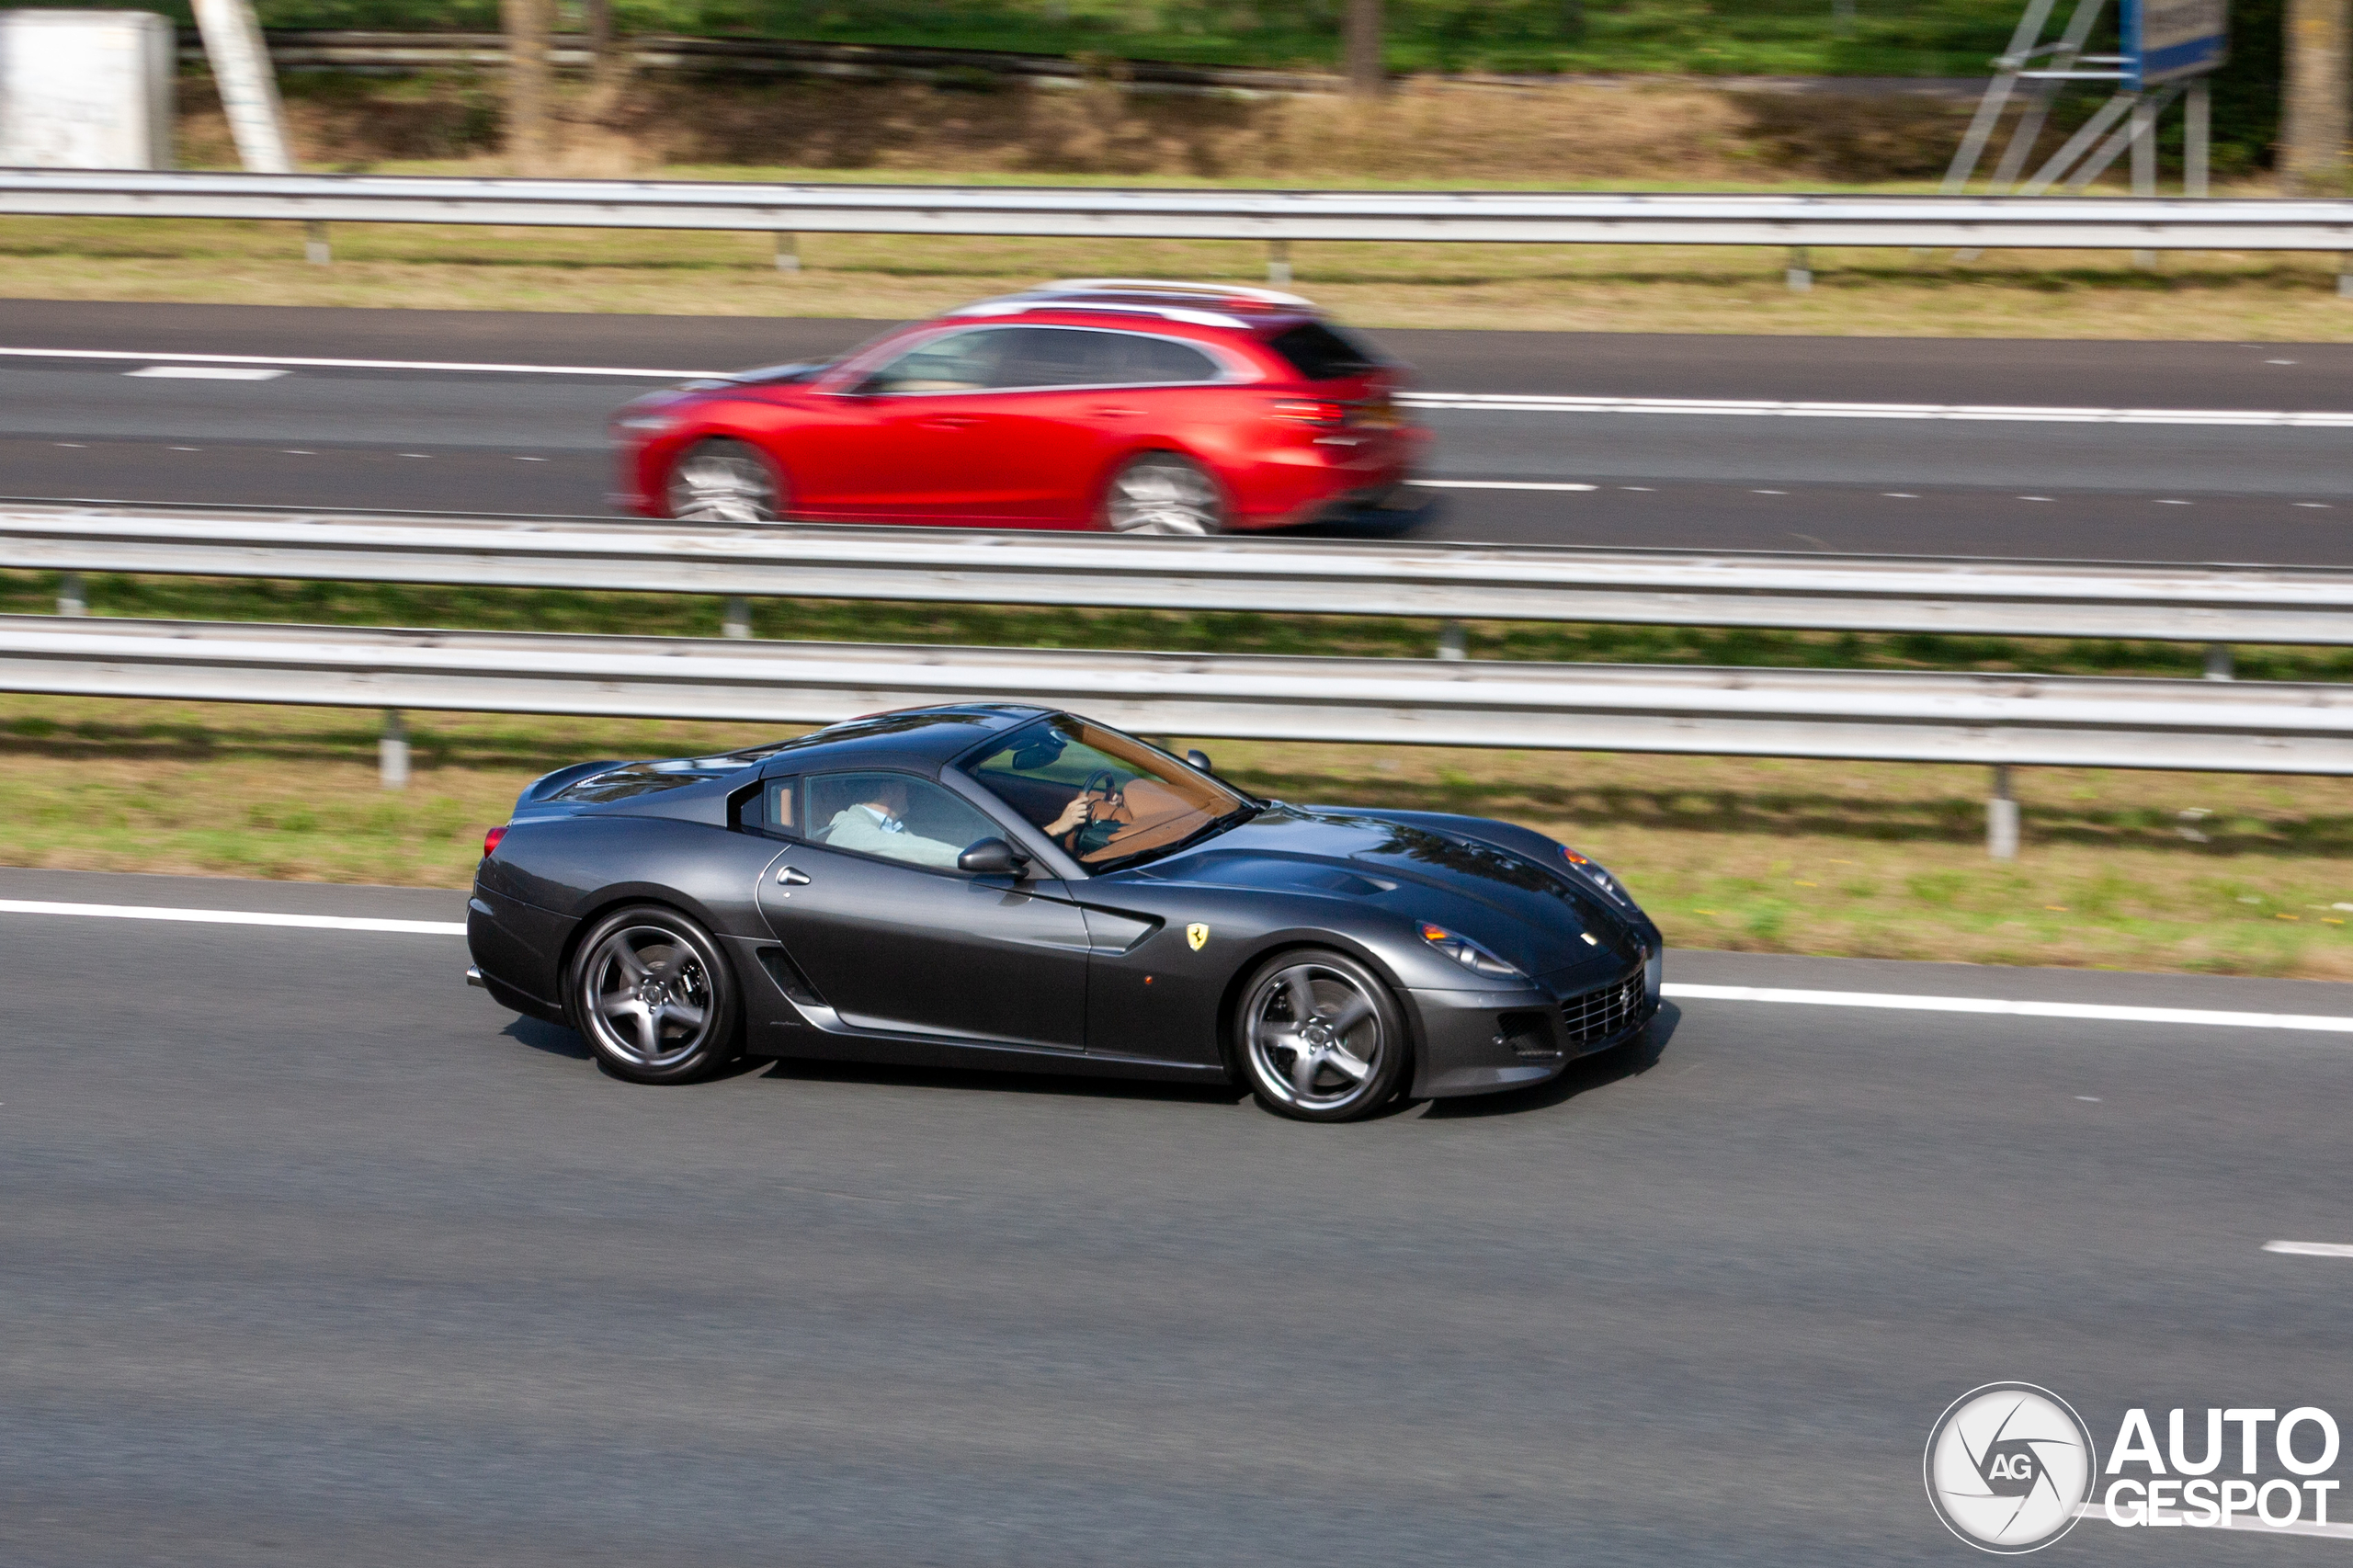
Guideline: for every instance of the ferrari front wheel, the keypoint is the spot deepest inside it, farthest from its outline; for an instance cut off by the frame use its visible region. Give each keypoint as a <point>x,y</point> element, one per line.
<point>725,482</point>
<point>654,997</point>
<point>1321,1038</point>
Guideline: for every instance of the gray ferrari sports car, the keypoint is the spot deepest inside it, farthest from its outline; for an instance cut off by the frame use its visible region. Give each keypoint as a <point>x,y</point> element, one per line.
<point>1002,885</point>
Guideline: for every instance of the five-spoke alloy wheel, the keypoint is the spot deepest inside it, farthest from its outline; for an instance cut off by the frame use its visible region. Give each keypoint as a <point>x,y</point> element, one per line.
<point>652,993</point>
<point>1161,493</point>
<point>725,482</point>
<point>1321,1038</point>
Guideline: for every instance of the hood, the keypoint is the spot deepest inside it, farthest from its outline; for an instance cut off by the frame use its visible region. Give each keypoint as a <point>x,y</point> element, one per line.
<point>1516,906</point>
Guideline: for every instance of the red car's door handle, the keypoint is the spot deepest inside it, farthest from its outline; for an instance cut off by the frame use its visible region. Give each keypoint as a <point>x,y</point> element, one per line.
<point>1110,413</point>
<point>951,422</point>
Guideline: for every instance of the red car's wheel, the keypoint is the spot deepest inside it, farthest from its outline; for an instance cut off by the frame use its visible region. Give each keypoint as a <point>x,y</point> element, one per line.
<point>725,482</point>
<point>1161,493</point>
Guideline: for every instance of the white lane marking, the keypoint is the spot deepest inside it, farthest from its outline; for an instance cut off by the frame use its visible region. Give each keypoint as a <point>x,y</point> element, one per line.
<point>1489,402</point>
<point>234,918</point>
<point>2310,1249</point>
<point>1493,484</point>
<point>2098,1012</point>
<point>1756,408</point>
<point>301,362</point>
<point>211,372</point>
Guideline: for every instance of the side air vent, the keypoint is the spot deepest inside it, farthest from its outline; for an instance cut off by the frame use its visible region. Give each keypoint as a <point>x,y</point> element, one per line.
<point>788,976</point>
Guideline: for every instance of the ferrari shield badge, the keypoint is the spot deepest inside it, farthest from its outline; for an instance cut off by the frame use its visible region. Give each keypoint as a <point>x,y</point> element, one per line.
<point>1197,934</point>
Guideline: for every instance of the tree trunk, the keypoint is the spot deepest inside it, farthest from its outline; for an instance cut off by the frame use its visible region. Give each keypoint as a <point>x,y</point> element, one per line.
<point>528,24</point>
<point>1365,79</point>
<point>2311,140</point>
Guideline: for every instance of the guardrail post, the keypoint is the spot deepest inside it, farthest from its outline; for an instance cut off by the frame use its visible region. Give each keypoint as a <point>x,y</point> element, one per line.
<point>2344,275</point>
<point>392,751</point>
<point>315,249</point>
<point>2002,817</point>
<point>71,598</point>
<point>736,620</point>
<point>1451,644</point>
<point>787,252</point>
<point>1799,276</point>
<point>1278,261</point>
<point>2218,661</point>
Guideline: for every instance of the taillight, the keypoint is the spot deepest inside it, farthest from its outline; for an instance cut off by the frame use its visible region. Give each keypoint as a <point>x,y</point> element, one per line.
<point>490,839</point>
<point>1310,411</point>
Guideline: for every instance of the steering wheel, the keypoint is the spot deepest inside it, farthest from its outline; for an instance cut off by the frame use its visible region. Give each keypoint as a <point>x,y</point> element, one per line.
<point>1102,781</point>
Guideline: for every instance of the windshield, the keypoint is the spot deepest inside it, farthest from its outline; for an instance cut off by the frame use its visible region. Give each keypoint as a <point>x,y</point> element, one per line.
<point>1105,797</point>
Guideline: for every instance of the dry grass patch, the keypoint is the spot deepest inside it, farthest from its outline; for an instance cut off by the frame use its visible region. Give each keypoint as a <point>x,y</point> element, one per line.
<point>2221,874</point>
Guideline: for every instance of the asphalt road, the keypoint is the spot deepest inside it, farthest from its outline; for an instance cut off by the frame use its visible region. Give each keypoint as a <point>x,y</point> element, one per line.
<point>420,439</point>
<point>311,1254</point>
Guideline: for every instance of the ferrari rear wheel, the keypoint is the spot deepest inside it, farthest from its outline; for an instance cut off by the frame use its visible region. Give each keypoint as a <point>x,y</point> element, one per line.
<point>655,998</point>
<point>1321,1038</point>
<point>725,482</point>
<point>1161,493</point>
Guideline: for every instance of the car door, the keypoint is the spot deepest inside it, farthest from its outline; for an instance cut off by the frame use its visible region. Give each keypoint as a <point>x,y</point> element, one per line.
<point>896,940</point>
<point>1076,400</point>
<point>916,440</point>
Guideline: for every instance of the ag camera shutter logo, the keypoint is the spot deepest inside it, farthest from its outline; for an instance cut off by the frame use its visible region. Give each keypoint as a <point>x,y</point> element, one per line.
<point>2008,1468</point>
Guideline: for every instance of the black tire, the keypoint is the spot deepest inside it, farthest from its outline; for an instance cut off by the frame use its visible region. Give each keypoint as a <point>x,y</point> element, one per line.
<point>1351,1057</point>
<point>727,482</point>
<point>1161,493</point>
<point>652,993</point>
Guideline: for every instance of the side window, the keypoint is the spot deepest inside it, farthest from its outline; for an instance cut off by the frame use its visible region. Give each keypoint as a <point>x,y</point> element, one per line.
<point>1056,357</point>
<point>892,815</point>
<point>960,362</point>
<point>770,809</point>
<point>1155,362</point>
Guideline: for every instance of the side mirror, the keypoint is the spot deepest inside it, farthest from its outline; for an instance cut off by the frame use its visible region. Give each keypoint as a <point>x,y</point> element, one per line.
<point>1199,760</point>
<point>992,856</point>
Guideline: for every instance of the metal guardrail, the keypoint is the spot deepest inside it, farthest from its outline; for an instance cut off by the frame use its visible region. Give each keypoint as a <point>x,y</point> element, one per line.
<point>1878,715</point>
<point>2072,222</point>
<point>2189,604</point>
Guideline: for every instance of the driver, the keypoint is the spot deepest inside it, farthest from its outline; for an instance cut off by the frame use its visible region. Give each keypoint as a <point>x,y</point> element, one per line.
<point>874,826</point>
<point>1094,817</point>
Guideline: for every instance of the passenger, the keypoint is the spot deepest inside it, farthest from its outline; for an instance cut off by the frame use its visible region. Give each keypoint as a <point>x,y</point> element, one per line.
<point>873,826</point>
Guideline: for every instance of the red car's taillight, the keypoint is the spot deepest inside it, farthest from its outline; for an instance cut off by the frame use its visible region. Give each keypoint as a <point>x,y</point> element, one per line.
<point>490,839</point>
<point>1305,411</point>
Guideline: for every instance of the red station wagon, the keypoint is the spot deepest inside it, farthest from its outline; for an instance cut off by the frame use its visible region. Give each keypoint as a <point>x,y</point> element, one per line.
<point>1136,406</point>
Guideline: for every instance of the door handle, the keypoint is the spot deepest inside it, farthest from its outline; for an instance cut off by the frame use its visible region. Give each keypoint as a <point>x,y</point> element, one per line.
<point>793,877</point>
<point>1115,413</point>
<point>951,421</point>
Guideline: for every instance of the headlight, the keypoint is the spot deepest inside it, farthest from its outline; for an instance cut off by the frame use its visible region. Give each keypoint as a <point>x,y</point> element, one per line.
<point>648,422</point>
<point>1593,873</point>
<point>1468,953</point>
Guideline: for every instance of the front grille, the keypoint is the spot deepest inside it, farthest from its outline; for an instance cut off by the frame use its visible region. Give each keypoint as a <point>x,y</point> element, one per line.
<point>1598,1014</point>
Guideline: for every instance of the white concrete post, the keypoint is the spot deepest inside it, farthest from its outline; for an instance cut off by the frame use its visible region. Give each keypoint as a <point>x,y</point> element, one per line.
<point>315,249</point>
<point>788,253</point>
<point>2218,661</point>
<point>248,86</point>
<point>1799,275</point>
<point>736,620</point>
<point>2002,818</point>
<point>1278,261</point>
<point>392,751</point>
<point>1452,643</point>
<point>71,598</point>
